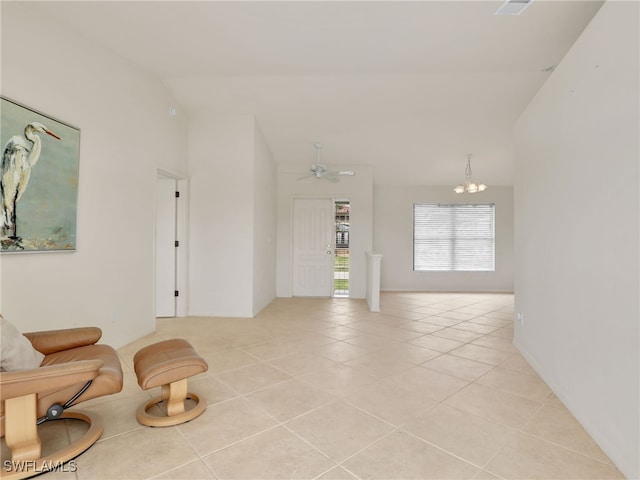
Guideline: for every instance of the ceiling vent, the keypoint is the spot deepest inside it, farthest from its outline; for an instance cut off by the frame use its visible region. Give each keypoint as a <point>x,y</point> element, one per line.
<point>513,7</point>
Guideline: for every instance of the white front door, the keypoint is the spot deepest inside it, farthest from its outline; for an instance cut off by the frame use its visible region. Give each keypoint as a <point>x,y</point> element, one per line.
<point>313,247</point>
<point>165,247</point>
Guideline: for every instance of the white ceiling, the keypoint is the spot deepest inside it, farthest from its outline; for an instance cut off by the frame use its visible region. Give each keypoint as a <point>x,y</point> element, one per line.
<point>407,87</point>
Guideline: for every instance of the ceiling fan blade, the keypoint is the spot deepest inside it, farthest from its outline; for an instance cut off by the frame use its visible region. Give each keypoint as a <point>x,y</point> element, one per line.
<point>331,176</point>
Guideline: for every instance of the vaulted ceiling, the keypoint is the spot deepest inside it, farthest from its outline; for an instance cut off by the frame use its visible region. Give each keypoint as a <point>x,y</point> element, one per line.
<point>409,87</point>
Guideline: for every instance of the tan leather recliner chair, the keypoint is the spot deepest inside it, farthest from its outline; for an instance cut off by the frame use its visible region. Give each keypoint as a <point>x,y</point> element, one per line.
<point>74,370</point>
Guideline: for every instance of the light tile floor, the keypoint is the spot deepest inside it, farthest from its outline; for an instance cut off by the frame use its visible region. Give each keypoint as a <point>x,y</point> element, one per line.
<point>429,388</point>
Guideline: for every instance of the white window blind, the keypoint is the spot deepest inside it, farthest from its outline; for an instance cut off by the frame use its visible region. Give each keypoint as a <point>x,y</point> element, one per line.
<point>454,237</point>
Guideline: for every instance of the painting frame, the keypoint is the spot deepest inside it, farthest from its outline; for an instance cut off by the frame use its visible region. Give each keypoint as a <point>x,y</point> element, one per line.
<point>39,178</point>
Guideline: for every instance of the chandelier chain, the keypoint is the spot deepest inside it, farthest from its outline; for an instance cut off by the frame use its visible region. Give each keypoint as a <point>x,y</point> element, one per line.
<point>469,186</point>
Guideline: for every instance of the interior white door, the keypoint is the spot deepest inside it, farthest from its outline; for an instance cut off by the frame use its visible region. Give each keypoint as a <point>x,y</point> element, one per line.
<point>313,247</point>
<point>165,247</point>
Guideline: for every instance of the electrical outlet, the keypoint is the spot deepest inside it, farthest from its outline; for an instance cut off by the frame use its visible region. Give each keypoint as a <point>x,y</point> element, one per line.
<point>520,318</point>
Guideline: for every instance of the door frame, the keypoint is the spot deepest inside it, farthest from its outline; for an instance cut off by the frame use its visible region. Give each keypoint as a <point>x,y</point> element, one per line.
<point>182,214</point>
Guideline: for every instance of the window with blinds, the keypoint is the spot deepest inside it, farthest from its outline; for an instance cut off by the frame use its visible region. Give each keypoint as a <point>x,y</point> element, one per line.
<point>454,237</point>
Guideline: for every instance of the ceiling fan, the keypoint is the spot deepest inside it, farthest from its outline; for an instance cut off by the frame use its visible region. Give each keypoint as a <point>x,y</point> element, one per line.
<point>320,170</point>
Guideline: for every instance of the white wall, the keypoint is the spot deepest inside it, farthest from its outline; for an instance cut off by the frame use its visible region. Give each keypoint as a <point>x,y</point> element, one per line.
<point>126,133</point>
<point>231,216</point>
<point>221,209</point>
<point>265,220</point>
<point>393,238</point>
<point>577,241</point>
<point>358,189</point>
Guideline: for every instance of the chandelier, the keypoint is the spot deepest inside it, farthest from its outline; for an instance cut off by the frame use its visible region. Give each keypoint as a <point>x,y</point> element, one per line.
<point>469,185</point>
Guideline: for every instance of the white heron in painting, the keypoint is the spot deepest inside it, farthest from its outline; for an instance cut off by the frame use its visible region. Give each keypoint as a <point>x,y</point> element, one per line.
<point>17,161</point>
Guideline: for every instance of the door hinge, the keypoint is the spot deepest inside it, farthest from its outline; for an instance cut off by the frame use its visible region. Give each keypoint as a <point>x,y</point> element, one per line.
<point>177,194</point>
<point>176,243</point>
<point>176,293</point>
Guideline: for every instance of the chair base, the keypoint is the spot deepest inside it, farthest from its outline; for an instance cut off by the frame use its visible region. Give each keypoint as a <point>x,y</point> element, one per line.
<point>145,418</point>
<point>25,468</point>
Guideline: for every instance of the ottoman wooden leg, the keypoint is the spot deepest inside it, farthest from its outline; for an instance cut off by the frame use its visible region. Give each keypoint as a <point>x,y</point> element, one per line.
<point>174,395</point>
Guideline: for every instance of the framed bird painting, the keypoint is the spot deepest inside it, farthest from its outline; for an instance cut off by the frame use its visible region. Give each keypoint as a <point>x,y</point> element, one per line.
<point>38,181</point>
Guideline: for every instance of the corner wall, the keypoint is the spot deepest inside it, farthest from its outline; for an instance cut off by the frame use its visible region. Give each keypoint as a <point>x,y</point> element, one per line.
<point>265,221</point>
<point>126,134</point>
<point>232,216</point>
<point>221,215</point>
<point>393,238</point>
<point>577,240</point>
